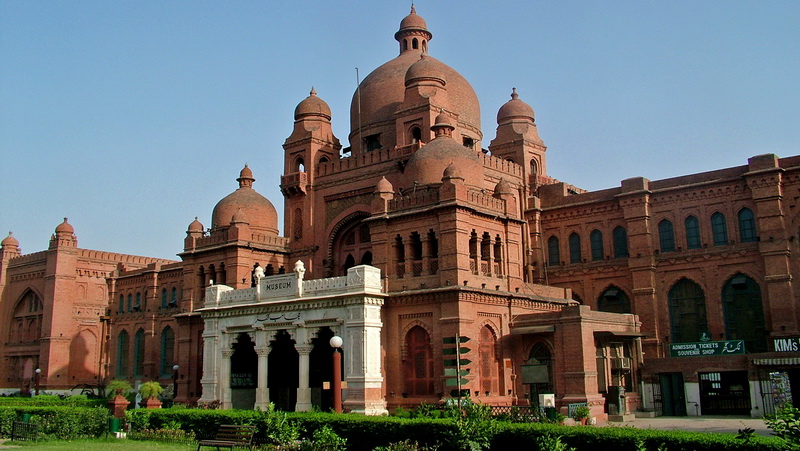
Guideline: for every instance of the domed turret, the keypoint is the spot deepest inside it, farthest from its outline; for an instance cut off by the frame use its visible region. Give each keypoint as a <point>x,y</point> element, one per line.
<point>312,106</point>
<point>514,109</point>
<point>65,229</point>
<point>384,186</point>
<point>426,69</point>
<point>259,210</point>
<point>239,217</point>
<point>196,226</point>
<point>9,241</point>
<point>413,24</point>
<point>502,188</point>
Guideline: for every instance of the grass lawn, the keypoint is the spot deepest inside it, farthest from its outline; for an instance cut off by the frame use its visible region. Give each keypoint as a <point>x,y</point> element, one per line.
<point>101,444</point>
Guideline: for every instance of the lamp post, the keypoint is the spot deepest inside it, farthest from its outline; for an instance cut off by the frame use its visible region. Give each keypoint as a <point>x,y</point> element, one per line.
<point>175,381</point>
<point>38,372</point>
<point>336,385</point>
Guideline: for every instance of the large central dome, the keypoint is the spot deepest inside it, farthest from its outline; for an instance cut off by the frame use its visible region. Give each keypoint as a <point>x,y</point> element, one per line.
<point>382,91</point>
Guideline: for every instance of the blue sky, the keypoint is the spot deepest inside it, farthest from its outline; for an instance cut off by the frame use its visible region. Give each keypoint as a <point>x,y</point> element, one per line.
<point>133,117</point>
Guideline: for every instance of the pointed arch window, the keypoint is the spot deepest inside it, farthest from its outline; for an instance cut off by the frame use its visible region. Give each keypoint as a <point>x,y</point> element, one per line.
<point>596,241</point>
<point>747,226</point>
<point>692,226</point>
<point>687,312</point>
<point>167,351</point>
<point>666,236</point>
<point>164,298</point>
<point>174,299</point>
<point>137,306</point>
<point>553,253</point>
<point>620,237</point>
<point>489,364</point>
<point>541,356</point>
<point>138,353</point>
<point>418,364</point>
<point>744,313</point>
<point>121,304</point>
<point>614,300</point>
<point>574,248</point>
<point>719,229</point>
<point>123,344</point>
<point>26,322</point>
<point>130,303</point>
<point>400,256</point>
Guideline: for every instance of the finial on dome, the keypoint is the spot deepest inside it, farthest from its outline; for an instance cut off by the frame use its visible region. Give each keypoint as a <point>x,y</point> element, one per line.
<point>514,95</point>
<point>313,91</point>
<point>246,177</point>
<point>413,10</point>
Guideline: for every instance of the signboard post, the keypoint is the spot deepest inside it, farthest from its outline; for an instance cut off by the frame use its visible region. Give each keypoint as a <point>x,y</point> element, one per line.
<point>455,377</point>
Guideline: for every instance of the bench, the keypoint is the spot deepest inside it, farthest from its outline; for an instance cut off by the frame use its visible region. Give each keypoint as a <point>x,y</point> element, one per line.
<point>24,431</point>
<point>231,436</point>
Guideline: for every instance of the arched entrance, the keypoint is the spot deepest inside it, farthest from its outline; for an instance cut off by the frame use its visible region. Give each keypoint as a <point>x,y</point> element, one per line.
<point>538,371</point>
<point>321,369</point>
<point>244,373</point>
<point>283,374</point>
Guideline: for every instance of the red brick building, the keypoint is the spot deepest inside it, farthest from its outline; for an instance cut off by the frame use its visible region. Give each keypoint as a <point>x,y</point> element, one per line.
<point>558,290</point>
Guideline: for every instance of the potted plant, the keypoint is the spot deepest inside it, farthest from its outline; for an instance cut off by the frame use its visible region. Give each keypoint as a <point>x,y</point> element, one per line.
<point>581,414</point>
<point>149,392</point>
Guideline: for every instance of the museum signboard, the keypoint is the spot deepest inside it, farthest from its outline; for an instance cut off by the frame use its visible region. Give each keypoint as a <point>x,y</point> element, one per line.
<point>706,348</point>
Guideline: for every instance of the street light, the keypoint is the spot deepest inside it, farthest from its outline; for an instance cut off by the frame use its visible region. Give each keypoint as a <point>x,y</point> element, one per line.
<point>38,372</point>
<point>175,381</point>
<point>336,343</point>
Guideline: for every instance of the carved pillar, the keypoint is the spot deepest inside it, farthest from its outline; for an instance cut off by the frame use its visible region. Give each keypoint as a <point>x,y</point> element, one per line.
<point>426,252</point>
<point>262,391</point>
<point>303,390</point>
<point>210,381</point>
<point>225,379</point>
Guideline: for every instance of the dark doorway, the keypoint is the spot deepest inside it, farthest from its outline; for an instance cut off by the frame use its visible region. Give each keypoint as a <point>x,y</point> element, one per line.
<point>725,393</point>
<point>321,369</point>
<point>244,373</point>
<point>283,374</point>
<point>673,396</point>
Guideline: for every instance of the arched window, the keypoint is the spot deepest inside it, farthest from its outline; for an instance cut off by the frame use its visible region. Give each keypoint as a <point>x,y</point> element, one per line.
<point>553,253</point>
<point>489,364</point>
<point>418,364</point>
<point>692,226</point>
<point>574,248</point>
<point>130,303</point>
<point>614,300</point>
<point>719,229</point>
<point>596,242</point>
<point>687,312</point>
<point>164,298</point>
<point>300,165</point>
<point>473,252</point>
<point>121,303</point>
<point>666,236</point>
<point>534,168</point>
<point>26,323</point>
<point>137,306</point>
<point>167,351</point>
<point>416,135</point>
<point>620,237</point>
<point>747,226</point>
<point>414,43</point>
<point>744,313</point>
<point>400,256</point>
<point>174,299</point>
<point>122,354</point>
<point>350,247</point>
<point>366,259</point>
<point>138,353</point>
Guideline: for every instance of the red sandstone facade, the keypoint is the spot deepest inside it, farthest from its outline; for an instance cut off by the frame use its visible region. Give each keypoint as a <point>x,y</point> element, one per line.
<point>474,242</point>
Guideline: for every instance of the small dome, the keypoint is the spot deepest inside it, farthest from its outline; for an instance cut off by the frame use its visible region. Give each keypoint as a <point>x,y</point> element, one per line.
<point>413,22</point>
<point>443,120</point>
<point>451,172</point>
<point>261,214</point>
<point>9,241</point>
<point>428,164</point>
<point>239,217</point>
<point>196,226</point>
<point>425,69</point>
<point>65,228</point>
<point>514,109</point>
<point>384,186</point>
<point>503,187</point>
<point>312,106</point>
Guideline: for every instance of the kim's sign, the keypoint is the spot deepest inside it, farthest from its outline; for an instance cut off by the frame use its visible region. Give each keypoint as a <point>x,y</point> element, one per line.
<point>706,348</point>
<point>786,344</point>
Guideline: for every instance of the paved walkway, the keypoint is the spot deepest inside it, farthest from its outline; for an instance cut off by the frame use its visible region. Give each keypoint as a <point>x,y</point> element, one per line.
<point>726,424</point>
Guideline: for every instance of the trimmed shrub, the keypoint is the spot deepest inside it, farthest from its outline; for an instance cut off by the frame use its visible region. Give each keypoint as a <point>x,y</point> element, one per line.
<point>61,422</point>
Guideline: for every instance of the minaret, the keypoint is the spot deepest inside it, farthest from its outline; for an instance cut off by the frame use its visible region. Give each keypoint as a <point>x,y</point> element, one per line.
<point>518,139</point>
<point>413,34</point>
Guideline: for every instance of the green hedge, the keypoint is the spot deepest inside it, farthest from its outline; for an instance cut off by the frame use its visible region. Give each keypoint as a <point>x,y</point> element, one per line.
<point>52,400</point>
<point>366,433</point>
<point>62,422</point>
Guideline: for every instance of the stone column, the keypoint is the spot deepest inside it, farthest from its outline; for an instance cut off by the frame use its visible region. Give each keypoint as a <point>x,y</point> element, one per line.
<point>210,381</point>
<point>303,390</point>
<point>426,252</point>
<point>262,391</point>
<point>225,379</point>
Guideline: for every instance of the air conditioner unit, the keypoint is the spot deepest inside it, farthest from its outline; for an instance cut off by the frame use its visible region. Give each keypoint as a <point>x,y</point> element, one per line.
<point>621,363</point>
